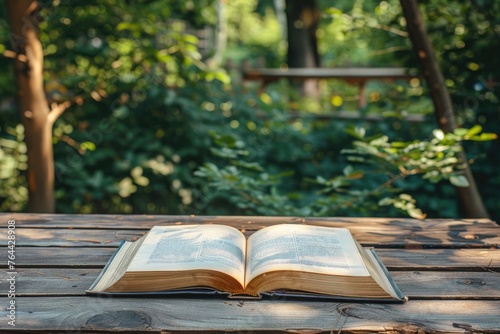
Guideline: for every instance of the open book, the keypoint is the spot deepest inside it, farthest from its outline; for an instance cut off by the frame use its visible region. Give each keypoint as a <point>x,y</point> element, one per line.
<point>296,260</point>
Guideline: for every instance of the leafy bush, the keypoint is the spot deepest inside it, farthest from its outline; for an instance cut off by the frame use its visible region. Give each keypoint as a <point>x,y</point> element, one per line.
<point>148,112</point>
<point>385,166</point>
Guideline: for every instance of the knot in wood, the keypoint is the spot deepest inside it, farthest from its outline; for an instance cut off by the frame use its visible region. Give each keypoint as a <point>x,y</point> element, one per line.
<point>120,319</point>
<point>344,310</point>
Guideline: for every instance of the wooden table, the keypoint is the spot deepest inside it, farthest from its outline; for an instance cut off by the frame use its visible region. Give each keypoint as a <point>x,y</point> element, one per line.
<point>357,75</point>
<point>448,268</point>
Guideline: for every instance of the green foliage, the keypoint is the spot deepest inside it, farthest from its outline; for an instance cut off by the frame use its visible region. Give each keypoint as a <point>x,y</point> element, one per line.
<point>246,179</point>
<point>467,34</point>
<point>251,187</point>
<point>436,159</point>
<point>154,129</point>
<point>143,164</point>
<point>364,34</point>
<point>253,35</point>
<point>13,162</point>
<point>138,86</point>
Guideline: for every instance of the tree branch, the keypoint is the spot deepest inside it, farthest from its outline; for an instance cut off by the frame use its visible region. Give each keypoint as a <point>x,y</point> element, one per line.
<point>389,29</point>
<point>388,50</point>
<point>57,110</point>
<point>469,197</point>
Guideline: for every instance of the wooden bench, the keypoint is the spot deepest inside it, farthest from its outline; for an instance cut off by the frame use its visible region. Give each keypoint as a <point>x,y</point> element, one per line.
<point>448,268</point>
<point>359,76</point>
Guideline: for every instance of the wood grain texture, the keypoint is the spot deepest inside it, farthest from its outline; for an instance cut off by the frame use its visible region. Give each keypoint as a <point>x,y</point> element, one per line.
<point>414,284</point>
<point>60,257</point>
<point>95,314</point>
<point>441,259</point>
<point>396,238</point>
<point>72,237</point>
<point>396,259</point>
<point>241,222</point>
<point>449,268</point>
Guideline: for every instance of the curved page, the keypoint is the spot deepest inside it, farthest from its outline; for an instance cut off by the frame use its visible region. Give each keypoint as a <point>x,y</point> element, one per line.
<point>175,248</point>
<point>307,248</point>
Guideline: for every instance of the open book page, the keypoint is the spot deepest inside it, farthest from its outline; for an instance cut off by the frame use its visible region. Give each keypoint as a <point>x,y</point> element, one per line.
<point>303,248</point>
<point>117,266</point>
<point>175,248</point>
<point>376,270</point>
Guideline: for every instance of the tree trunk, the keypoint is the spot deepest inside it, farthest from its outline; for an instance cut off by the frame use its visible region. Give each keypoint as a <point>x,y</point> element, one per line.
<point>280,9</point>
<point>470,201</point>
<point>33,107</point>
<point>221,35</point>
<point>302,22</point>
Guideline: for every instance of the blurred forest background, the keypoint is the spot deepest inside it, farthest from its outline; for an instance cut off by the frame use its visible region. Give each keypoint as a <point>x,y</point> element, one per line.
<point>159,120</point>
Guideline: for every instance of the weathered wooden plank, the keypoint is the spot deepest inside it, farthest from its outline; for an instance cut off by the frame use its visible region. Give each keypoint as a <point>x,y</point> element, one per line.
<point>484,237</point>
<point>62,254</point>
<point>415,284</point>
<point>94,314</point>
<point>480,237</point>
<point>449,285</point>
<point>440,259</point>
<point>72,237</point>
<point>394,259</point>
<point>66,257</point>
<point>45,282</point>
<point>241,222</point>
